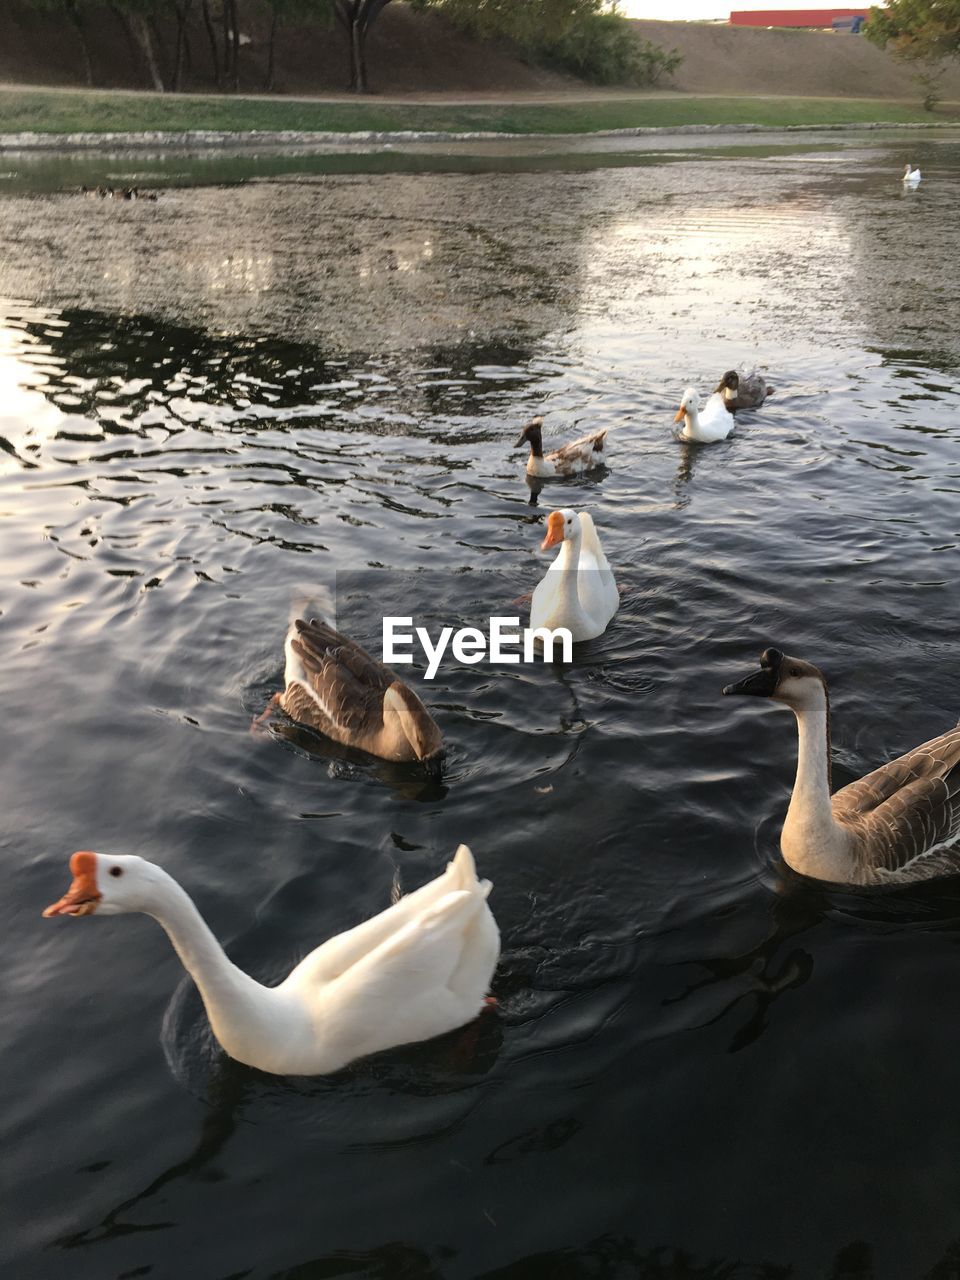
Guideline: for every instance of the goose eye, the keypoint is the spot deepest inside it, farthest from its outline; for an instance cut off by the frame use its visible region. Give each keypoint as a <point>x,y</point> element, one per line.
<point>116,871</point>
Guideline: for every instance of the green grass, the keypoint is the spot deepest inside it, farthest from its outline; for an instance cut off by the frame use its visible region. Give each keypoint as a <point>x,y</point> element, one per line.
<point>65,111</point>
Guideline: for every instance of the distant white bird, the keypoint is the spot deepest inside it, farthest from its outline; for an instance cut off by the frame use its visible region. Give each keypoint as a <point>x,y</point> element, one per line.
<point>911,176</point>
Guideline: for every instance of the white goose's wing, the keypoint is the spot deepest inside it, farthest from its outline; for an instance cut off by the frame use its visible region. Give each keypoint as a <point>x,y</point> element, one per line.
<point>596,588</point>
<point>716,420</point>
<point>337,955</point>
<point>428,978</point>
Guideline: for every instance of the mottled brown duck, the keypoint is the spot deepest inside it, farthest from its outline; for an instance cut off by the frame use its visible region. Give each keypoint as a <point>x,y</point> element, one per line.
<point>585,454</point>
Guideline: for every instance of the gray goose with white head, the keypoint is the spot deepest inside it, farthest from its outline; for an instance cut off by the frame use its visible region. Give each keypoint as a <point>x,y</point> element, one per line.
<point>893,825</point>
<point>336,687</point>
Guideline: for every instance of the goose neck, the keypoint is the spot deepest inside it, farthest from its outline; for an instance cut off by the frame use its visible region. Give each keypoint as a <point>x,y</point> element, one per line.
<point>568,595</point>
<point>812,841</point>
<point>242,1012</point>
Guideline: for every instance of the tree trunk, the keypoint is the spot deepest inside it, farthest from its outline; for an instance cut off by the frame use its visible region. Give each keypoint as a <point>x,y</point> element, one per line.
<point>212,37</point>
<point>271,48</point>
<point>77,20</point>
<point>160,52</point>
<point>226,37</point>
<point>134,49</point>
<point>183,13</point>
<point>236,45</point>
<point>358,65</point>
<point>231,44</point>
<point>141,29</point>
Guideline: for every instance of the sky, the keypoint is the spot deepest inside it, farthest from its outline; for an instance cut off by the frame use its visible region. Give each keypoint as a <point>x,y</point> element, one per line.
<point>680,10</point>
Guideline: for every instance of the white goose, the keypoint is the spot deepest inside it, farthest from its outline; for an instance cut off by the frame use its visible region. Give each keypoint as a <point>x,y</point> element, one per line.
<point>893,825</point>
<point>911,176</point>
<point>713,424</point>
<point>415,971</point>
<point>578,591</point>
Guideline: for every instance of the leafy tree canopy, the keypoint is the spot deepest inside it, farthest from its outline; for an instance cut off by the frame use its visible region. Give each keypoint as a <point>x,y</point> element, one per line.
<point>924,30</point>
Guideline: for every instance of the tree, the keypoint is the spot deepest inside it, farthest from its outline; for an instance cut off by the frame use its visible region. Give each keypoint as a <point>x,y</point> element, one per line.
<point>211,40</point>
<point>282,11</point>
<point>182,10</point>
<point>135,16</point>
<point>356,17</point>
<point>73,12</point>
<point>919,30</point>
<point>588,37</point>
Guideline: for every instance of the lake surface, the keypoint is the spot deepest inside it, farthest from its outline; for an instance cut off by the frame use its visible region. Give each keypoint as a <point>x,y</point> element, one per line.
<point>701,1067</point>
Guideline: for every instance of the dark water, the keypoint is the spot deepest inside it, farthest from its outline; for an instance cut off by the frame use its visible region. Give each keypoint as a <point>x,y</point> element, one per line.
<point>700,1066</point>
<point>52,170</point>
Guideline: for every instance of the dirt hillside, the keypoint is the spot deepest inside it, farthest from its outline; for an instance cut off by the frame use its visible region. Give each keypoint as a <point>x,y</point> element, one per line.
<point>718,58</point>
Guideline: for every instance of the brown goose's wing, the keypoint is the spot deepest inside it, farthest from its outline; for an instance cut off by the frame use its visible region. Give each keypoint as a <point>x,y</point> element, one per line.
<point>576,449</point>
<point>752,391</point>
<point>908,807</point>
<point>345,682</point>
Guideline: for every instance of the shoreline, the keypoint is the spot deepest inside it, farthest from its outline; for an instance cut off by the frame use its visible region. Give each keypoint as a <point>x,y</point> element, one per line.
<point>207,139</point>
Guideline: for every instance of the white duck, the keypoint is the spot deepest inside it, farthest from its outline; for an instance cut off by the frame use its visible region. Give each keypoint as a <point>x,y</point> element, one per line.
<point>911,176</point>
<point>713,424</point>
<point>584,454</point>
<point>418,969</point>
<point>578,591</point>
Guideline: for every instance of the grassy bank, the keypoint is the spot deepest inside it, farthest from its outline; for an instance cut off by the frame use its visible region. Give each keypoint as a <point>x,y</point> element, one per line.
<point>66,111</point>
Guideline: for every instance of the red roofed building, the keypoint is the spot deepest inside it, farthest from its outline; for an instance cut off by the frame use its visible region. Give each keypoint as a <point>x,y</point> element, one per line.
<point>792,17</point>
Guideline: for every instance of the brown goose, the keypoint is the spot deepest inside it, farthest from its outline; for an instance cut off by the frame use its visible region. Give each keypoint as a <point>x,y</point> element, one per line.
<point>743,390</point>
<point>893,826</point>
<point>569,460</point>
<point>336,687</point>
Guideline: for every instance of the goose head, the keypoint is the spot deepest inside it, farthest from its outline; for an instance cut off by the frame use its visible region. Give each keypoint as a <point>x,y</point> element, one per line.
<point>108,886</point>
<point>789,680</point>
<point>562,526</point>
<point>689,404</point>
<point>532,433</point>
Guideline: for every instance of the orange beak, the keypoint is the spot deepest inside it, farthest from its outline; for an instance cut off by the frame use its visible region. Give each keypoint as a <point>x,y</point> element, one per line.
<point>83,895</point>
<point>680,414</point>
<point>554,530</point>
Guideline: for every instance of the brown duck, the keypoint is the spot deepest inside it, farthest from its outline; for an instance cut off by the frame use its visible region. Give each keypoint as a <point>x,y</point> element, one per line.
<point>584,454</point>
<point>743,390</point>
<point>336,687</point>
